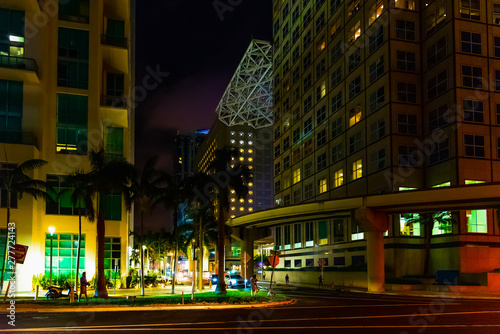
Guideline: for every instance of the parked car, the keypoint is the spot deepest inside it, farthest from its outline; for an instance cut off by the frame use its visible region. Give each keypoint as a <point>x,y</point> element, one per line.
<point>214,278</point>
<point>235,281</point>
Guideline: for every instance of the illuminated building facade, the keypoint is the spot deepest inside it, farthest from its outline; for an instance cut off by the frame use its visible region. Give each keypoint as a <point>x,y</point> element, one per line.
<point>186,146</point>
<point>384,97</point>
<point>66,77</point>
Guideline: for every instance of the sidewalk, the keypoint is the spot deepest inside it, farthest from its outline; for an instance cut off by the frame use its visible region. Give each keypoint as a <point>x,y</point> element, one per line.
<point>452,293</point>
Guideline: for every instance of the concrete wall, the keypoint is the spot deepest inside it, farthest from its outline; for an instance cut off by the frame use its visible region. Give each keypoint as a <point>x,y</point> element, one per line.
<point>356,279</point>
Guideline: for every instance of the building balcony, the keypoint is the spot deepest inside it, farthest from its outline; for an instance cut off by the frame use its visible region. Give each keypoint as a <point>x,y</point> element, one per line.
<point>18,68</point>
<point>119,42</point>
<point>27,5</point>
<point>119,102</point>
<point>18,137</point>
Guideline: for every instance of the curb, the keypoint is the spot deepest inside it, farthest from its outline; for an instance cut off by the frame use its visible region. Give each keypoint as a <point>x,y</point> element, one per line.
<point>62,309</point>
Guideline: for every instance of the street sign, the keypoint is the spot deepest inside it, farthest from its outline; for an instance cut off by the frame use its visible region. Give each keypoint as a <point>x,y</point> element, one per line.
<point>19,253</point>
<point>321,263</point>
<point>248,257</point>
<point>274,260</point>
<point>275,252</point>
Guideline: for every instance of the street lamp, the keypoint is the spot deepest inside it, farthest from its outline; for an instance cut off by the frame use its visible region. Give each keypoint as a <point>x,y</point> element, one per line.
<point>52,229</point>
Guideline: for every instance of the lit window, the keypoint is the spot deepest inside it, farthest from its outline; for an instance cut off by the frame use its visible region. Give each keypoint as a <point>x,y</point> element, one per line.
<point>233,141</point>
<point>250,184</point>
<point>241,134</point>
<point>473,181</point>
<point>233,199</point>
<point>242,208</point>
<point>241,158</point>
<point>242,142</point>
<point>339,178</point>
<point>232,166</point>
<point>250,151</point>
<point>233,216</point>
<point>250,167</point>
<point>296,175</point>
<point>232,191</point>
<point>354,115</point>
<point>232,158</point>
<point>242,150</point>
<point>357,169</point>
<point>232,133</point>
<point>250,142</point>
<point>250,192</point>
<point>233,208</point>
<point>250,159</point>
<point>250,201</point>
<point>445,184</point>
<point>376,11</point>
<point>477,221</point>
<point>322,185</point>
<point>250,134</point>
<point>250,209</point>
<point>242,200</point>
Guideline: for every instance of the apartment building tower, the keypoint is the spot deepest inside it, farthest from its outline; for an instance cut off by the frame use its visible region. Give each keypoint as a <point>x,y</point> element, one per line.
<point>66,77</point>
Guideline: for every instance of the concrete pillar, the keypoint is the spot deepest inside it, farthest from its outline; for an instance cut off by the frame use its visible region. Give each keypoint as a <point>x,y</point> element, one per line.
<point>374,224</point>
<point>247,246</point>
<point>375,260</point>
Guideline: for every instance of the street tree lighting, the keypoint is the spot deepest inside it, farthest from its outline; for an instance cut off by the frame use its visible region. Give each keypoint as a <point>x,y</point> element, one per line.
<point>52,229</point>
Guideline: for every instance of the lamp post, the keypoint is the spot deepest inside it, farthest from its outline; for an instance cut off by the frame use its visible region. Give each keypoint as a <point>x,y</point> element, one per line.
<point>52,229</point>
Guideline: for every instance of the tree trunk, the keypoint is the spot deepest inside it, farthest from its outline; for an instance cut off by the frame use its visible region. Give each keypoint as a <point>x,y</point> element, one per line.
<point>78,250</point>
<point>142,252</point>
<point>200,257</point>
<point>101,291</point>
<point>221,285</point>
<point>6,254</point>
<point>176,238</point>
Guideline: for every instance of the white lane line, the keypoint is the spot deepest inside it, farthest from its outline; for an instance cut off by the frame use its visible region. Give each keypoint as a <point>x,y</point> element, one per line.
<point>55,330</point>
<point>135,326</point>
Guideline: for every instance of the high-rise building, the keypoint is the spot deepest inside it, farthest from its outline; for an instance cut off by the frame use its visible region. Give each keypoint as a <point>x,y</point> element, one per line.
<point>66,77</point>
<point>379,97</point>
<point>186,146</point>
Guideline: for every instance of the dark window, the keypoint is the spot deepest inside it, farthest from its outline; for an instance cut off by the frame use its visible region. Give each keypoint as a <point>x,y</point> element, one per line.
<point>471,42</point>
<point>320,115</point>
<point>377,99</point>
<point>321,162</point>
<point>309,262</point>
<point>472,76</point>
<point>474,145</point>
<point>473,111</point>
<point>338,230</point>
<point>376,39</point>
<point>336,76</point>
<point>407,92</point>
<point>355,87</point>
<point>288,263</point>
<point>358,260</point>
<point>339,261</point>
<point>337,154</point>
<point>355,142</point>
<point>438,118</point>
<point>72,116</point>
<point>73,58</point>
<point>405,30</point>
<point>354,59</point>
<point>440,152</point>
<point>437,85</point>
<point>406,61</point>
<point>437,52</point>
<point>337,102</point>
<point>297,263</point>
<point>407,124</point>
<point>376,69</point>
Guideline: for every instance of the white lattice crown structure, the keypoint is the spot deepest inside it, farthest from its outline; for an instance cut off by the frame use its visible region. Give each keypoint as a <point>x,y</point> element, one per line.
<point>248,97</point>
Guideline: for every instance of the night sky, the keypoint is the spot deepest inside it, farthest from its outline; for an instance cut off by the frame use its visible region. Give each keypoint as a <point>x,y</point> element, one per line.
<point>188,39</point>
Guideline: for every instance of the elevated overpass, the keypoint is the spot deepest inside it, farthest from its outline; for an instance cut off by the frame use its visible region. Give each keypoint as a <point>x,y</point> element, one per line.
<point>372,212</point>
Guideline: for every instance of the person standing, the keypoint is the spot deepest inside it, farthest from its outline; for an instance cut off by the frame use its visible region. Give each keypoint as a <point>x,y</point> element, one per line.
<point>83,286</point>
<point>320,280</point>
<point>263,275</point>
<point>253,282</point>
<point>287,279</point>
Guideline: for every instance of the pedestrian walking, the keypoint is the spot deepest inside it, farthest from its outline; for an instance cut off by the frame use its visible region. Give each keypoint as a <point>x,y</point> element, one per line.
<point>83,286</point>
<point>263,275</point>
<point>287,279</point>
<point>253,282</point>
<point>320,280</point>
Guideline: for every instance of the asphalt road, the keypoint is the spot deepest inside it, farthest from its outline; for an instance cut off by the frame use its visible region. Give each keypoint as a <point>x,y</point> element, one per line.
<point>315,311</point>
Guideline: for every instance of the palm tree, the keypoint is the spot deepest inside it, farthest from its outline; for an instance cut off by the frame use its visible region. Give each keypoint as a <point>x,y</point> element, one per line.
<point>106,175</point>
<point>144,189</point>
<point>235,177</point>
<point>16,183</point>
<point>80,182</point>
<point>204,232</point>
<point>428,220</point>
<point>175,193</point>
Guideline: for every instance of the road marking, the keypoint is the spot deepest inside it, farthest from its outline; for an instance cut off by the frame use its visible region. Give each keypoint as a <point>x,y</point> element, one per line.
<point>65,329</point>
<point>359,306</point>
<point>165,326</point>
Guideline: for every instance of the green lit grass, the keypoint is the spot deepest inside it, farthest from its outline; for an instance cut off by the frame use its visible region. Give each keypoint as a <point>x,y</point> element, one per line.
<point>200,298</point>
